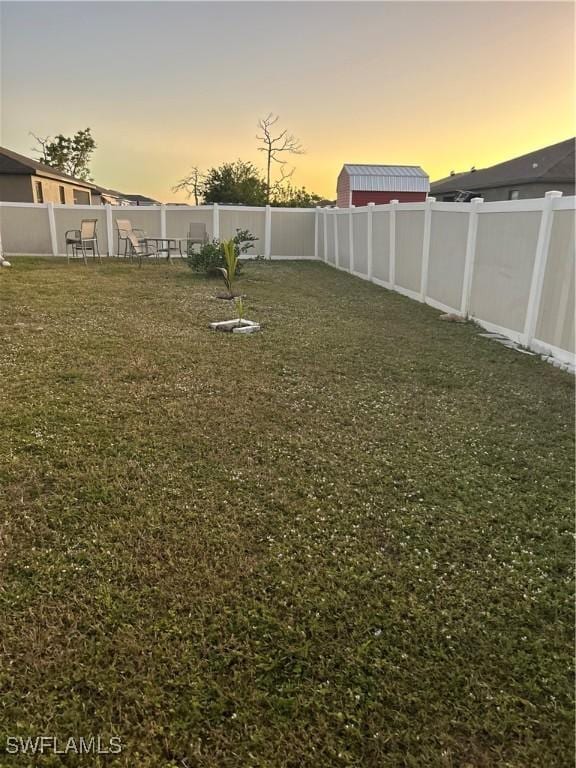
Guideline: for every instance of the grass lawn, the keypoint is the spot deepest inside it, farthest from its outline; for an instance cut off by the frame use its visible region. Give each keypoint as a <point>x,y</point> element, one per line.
<point>344,541</point>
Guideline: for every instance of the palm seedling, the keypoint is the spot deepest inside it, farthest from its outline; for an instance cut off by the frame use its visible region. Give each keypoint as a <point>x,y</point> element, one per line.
<point>231,261</point>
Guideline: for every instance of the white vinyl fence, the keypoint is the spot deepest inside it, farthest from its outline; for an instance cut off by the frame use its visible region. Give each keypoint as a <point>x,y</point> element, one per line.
<point>509,265</point>
<point>32,228</point>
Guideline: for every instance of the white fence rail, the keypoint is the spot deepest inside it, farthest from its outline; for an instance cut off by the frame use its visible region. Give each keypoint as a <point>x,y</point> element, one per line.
<point>509,265</point>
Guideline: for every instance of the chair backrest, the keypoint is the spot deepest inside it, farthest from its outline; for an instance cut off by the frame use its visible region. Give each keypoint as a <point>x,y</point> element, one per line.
<point>197,232</point>
<point>88,229</point>
<point>133,240</point>
<point>124,226</point>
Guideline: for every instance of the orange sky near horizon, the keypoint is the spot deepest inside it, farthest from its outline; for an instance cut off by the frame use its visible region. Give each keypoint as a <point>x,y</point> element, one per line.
<point>444,85</point>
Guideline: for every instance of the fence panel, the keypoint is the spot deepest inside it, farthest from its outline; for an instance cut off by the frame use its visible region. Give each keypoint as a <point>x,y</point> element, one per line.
<point>293,234</point>
<point>409,239</point>
<point>69,217</point>
<point>360,239</point>
<point>320,235</point>
<point>381,245</point>
<point>448,235</point>
<point>25,229</point>
<point>178,220</point>
<point>503,266</point>
<point>142,217</point>
<point>232,220</point>
<point>555,324</point>
<point>343,226</point>
<point>330,239</point>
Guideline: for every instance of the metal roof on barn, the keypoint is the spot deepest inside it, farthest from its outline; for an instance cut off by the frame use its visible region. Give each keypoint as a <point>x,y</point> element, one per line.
<point>387,178</point>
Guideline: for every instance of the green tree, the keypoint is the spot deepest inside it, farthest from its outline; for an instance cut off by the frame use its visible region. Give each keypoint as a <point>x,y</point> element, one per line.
<point>294,197</point>
<point>69,154</point>
<point>237,183</point>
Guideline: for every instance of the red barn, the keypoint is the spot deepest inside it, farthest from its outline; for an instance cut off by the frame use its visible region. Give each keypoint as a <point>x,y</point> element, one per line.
<point>363,184</point>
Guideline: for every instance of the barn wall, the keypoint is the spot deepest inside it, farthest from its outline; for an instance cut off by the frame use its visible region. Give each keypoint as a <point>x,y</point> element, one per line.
<point>380,198</point>
<point>343,190</point>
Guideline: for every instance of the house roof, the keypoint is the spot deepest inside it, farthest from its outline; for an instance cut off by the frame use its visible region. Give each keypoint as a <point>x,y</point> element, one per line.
<point>14,164</point>
<point>139,199</point>
<point>386,178</point>
<point>553,165</point>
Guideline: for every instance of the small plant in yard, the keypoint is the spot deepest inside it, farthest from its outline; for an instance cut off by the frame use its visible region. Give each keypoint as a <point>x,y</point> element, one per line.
<point>207,259</point>
<point>239,307</point>
<point>239,324</point>
<point>210,258</point>
<point>231,260</point>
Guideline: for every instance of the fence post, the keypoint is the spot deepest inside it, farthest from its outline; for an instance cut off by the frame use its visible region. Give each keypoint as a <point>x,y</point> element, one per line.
<point>325,234</point>
<point>267,231</point>
<point>476,202</point>
<point>52,225</point>
<point>369,242</point>
<point>393,209</point>
<point>539,268</point>
<point>316,225</point>
<point>163,221</point>
<point>336,254</point>
<point>109,230</point>
<point>351,238</point>
<point>215,222</point>
<point>426,247</point>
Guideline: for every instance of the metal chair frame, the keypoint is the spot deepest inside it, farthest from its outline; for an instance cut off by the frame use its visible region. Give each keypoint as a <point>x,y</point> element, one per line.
<point>123,233</point>
<point>138,249</point>
<point>80,240</point>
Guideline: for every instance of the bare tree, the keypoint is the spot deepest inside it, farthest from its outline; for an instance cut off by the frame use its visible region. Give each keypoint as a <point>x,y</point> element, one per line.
<point>274,147</point>
<point>192,184</point>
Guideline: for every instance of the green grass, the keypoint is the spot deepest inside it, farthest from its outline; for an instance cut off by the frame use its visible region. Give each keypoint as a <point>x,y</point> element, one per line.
<point>345,541</point>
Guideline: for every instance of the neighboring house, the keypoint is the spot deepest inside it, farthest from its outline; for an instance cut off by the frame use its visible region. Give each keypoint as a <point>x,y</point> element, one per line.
<point>140,200</point>
<point>363,184</point>
<point>102,196</point>
<point>23,180</point>
<point>530,175</point>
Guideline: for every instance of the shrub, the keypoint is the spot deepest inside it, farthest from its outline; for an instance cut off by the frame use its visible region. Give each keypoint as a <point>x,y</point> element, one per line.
<point>209,258</point>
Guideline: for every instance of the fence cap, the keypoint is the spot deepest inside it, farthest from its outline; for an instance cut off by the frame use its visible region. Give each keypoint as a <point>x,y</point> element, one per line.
<point>553,193</point>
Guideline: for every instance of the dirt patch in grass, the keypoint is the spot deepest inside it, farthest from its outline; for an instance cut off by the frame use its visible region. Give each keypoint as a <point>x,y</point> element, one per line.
<point>344,541</point>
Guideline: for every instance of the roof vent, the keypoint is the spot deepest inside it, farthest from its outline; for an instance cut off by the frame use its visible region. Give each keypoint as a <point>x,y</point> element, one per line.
<point>452,173</point>
<point>473,169</point>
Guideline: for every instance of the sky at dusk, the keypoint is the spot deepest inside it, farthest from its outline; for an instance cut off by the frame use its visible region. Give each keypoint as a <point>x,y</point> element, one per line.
<point>168,85</point>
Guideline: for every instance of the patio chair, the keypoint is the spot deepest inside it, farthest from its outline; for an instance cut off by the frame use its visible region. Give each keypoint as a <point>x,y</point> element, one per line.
<point>138,249</point>
<point>80,241</point>
<point>197,235</point>
<point>124,228</point>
